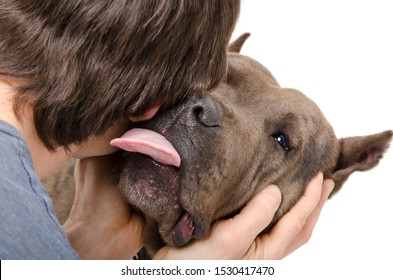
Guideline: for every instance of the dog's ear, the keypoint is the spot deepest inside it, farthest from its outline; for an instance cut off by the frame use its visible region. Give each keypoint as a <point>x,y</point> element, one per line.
<point>237,45</point>
<point>359,154</point>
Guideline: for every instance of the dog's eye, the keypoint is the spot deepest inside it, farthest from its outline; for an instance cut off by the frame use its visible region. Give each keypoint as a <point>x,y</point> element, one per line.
<point>281,140</point>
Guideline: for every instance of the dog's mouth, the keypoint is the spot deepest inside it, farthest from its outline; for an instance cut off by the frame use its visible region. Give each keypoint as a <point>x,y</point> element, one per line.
<point>157,163</point>
<point>150,143</point>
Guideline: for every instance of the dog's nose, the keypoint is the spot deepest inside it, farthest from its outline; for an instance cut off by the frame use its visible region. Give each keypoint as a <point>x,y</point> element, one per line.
<point>207,112</point>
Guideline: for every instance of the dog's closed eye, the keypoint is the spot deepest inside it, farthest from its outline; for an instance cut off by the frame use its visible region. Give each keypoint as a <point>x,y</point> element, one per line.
<point>281,139</point>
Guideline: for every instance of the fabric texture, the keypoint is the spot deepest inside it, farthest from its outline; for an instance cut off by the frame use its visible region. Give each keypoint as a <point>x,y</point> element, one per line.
<point>29,228</point>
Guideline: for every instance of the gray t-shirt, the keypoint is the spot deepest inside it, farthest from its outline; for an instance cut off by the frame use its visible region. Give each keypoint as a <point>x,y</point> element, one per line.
<point>28,226</point>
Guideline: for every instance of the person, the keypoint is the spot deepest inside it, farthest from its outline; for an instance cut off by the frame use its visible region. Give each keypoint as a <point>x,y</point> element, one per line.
<point>75,74</point>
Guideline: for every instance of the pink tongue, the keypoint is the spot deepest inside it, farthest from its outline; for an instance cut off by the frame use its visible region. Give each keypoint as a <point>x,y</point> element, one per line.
<point>150,143</point>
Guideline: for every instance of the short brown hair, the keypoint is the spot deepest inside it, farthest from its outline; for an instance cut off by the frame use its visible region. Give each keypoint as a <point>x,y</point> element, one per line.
<point>88,63</point>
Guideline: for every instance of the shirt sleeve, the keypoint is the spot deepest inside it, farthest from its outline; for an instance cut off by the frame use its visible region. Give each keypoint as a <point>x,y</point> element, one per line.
<point>29,228</point>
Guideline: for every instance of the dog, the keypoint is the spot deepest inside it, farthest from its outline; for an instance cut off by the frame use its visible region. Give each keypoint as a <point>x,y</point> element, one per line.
<point>206,157</point>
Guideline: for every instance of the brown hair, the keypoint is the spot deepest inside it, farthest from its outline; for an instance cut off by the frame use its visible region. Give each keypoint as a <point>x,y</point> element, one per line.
<point>88,63</point>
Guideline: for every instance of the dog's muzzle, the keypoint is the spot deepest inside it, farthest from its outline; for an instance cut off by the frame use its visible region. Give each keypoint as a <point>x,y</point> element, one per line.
<point>156,157</point>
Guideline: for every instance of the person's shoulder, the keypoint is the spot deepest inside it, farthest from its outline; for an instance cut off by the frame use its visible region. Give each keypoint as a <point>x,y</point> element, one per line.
<point>6,128</point>
<point>9,135</point>
<point>15,160</point>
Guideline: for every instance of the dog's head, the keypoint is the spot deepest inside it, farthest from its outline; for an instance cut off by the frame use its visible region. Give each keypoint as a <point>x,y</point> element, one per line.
<point>205,158</point>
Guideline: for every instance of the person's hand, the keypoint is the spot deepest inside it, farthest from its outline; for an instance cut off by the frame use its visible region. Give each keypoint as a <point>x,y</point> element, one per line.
<point>237,238</point>
<point>101,224</point>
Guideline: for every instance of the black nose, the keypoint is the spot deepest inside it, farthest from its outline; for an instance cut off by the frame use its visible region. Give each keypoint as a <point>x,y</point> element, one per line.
<point>207,112</point>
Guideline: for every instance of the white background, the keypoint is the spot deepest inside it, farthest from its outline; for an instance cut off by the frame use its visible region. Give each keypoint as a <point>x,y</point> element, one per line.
<point>340,54</point>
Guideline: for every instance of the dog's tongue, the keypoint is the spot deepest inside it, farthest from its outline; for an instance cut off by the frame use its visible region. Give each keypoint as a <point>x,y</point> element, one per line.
<point>150,143</point>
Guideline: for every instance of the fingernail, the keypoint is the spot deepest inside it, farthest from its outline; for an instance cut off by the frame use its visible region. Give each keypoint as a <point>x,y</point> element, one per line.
<point>331,185</point>
<point>274,192</point>
<point>319,177</point>
<point>317,180</point>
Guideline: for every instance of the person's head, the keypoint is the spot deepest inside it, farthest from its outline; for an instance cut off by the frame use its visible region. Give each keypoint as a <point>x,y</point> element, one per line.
<point>83,65</point>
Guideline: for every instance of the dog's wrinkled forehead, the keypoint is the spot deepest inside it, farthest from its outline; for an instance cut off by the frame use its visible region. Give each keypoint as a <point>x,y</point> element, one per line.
<point>253,85</point>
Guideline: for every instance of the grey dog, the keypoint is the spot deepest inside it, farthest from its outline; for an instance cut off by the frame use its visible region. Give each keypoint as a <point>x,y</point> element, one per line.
<point>205,158</point>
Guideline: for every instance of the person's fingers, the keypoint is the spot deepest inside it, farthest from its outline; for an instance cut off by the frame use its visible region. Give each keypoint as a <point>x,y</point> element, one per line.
<point>99,215</point>
<point>305,234</point>
<point>275,243</point>
<point>253,218</point>
<point>136,227</point>
<point>231,238</point>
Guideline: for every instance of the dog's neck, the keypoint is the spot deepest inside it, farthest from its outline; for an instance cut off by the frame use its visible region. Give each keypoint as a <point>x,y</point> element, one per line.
<point>42,157</point>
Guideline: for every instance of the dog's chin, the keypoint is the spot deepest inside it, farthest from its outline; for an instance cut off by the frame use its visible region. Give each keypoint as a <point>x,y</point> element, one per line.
<point>154,189</point>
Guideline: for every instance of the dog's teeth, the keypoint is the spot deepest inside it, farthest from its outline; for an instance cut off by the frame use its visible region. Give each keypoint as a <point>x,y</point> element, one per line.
<point>150,143</point>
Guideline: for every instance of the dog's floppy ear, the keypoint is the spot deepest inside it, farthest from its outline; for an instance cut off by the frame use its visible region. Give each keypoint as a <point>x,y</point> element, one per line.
<point>237,45</point>
<point>359,154</point>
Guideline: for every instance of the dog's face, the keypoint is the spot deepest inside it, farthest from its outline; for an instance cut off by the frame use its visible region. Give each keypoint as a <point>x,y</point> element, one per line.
<point>228,144</point>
